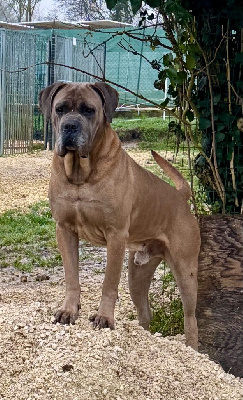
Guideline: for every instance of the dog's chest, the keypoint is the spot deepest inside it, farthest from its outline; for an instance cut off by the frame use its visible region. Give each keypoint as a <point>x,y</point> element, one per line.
<point>85,211</point>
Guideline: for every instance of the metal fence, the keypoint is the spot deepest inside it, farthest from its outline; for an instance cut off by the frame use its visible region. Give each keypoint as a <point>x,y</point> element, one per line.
<point>25,70</point>
<point>29,62</point>
<point>16,91</point>
<point>128,64</point>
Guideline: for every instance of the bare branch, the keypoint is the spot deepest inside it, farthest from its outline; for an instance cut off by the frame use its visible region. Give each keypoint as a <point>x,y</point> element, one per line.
<point>214,165</point>
<point>140,96</point>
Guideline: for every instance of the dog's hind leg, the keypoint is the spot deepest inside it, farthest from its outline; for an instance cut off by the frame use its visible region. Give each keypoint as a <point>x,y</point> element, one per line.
<point>185,274</point>
<point>139,278</point>
<point>188,290</point>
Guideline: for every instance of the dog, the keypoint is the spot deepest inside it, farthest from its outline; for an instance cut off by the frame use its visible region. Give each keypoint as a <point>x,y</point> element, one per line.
<point>99,194</point>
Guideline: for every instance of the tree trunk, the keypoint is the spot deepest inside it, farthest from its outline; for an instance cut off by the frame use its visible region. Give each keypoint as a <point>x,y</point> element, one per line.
<point>220,291</point>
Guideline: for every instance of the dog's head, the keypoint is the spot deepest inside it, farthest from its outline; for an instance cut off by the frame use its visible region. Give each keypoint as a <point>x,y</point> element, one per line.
<point>78,112</point>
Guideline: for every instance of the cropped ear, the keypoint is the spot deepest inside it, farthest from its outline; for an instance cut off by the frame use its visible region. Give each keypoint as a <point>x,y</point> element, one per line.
<point>46,98</point>
<point>110,98</point>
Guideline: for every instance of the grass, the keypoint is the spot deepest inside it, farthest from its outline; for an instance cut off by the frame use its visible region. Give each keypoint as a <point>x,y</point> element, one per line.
<point>147,130</point>
<point>169,321</point>
<point>168,317</point>
<point>29,239</point>
<point>166,306</point>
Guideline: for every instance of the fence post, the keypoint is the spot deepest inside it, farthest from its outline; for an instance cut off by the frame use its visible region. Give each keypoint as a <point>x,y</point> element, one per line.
<point>2,90</point>
<point>220,291</point>
<point>48,133</point>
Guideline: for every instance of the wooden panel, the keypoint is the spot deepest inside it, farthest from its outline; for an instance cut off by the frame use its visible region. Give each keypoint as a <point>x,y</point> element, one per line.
<point>220,291</point>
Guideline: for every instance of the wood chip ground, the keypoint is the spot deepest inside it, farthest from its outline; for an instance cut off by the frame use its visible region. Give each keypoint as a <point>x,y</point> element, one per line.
<point>39,360</point>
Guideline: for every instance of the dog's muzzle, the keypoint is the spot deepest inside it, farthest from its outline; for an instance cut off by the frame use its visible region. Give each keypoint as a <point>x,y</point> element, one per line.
<point>72,138</point>
<point>70,132</point>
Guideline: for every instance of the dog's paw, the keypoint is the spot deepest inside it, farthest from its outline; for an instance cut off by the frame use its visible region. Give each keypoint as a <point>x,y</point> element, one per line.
<point>99,321</point>
<point>65,317</point>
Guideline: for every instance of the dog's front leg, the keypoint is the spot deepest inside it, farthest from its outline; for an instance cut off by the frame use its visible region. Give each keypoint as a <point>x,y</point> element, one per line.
<point>68,244</point>
<point>115,256</point>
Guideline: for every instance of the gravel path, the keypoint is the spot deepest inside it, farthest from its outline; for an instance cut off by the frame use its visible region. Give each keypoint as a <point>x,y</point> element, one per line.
<point>39,360</point>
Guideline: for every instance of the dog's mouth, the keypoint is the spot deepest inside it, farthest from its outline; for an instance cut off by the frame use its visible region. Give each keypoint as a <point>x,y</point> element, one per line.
<point>72,150</point>
<point>78,146</point>
<point>63,151</point>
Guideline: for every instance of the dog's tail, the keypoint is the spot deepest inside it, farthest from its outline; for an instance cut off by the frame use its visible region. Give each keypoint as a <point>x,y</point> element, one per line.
<point>180,183</point>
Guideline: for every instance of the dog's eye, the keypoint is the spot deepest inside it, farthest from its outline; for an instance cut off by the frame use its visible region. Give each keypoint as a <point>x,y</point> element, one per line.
<point>86,110</point>
<point>60,110</point>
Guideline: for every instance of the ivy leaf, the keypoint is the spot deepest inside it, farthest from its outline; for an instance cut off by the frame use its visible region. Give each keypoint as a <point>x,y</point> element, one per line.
<point>181,77</point>
<point>171,72</point>
<point>190,62</point>
<point>192,48</point>
<point>153,3</point>
<point>172,75</point>
<point>216,98</point>
<point>239,84</point>
<point>204,123</point>
<point>136,4</point>
<point>227,119</point>
<point>162,75</point>
<point>111,3</point>
<point>229,153</point>
<point>167,59</point>
<point>184,36</point>
<point>220,136</point>
<point>173,7</point>
<point>220,126</point>
<point>239,58</point>
<point>203,103</point>
<point>238,137</point>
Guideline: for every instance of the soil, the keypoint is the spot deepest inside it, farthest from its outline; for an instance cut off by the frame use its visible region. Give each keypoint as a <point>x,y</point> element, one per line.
<point>40,360</point>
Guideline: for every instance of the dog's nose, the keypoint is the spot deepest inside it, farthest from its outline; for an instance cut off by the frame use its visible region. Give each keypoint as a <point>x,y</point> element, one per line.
<point>70,127</point>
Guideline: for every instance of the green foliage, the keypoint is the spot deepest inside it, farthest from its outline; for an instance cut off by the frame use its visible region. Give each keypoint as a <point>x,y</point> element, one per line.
<point>168,317</point>
<point>29,239</point>
<point>38,146</point>
<point>226,106</point>
<point>204,70</point>
<point>168,321</point>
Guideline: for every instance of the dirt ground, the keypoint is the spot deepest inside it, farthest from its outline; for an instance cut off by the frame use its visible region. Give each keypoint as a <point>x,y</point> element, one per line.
<point>24,178</point>
<point>39,360</point>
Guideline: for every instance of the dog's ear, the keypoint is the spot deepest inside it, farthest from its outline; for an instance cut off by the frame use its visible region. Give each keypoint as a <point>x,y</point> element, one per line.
<point>46,98</point>
<point>110,98</point>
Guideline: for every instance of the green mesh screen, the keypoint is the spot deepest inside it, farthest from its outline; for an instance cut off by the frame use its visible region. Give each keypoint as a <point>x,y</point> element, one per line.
<point>126,60</point>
